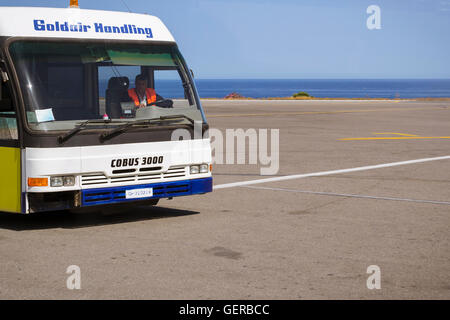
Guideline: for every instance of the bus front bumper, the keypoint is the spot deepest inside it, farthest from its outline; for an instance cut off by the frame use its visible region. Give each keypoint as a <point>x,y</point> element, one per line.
<point>92,197</point>
<point>39,202</point>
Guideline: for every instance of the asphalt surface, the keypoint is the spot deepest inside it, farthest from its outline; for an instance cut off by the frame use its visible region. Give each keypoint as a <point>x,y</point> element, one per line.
<point>305,238</point>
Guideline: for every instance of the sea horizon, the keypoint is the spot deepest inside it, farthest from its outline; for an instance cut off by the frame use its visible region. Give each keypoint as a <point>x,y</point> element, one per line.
<point>321,88</point>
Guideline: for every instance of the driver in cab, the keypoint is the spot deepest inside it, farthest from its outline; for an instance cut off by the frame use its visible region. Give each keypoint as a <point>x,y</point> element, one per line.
<point>143,96</point>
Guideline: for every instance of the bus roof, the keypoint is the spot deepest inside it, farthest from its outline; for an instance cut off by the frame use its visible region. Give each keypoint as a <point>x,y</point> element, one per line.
<point>75,23</point>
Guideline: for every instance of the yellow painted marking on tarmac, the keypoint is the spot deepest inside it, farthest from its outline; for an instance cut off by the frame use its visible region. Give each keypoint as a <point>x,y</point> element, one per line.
<point>393,138</point>
<point>397,133</point>
<point>225,115</point>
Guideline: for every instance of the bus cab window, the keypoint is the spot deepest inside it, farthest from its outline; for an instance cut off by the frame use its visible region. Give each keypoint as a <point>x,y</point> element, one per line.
<point>169,85</point>
<point>8,122</point>
<point>112,91</point>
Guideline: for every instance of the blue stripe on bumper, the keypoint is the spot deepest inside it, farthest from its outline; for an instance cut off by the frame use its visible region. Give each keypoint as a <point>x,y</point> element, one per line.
<point>92,197</point>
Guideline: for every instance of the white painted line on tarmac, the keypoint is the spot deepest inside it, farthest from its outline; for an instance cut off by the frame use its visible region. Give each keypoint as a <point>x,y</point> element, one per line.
<point>327,173</point>
<point>349,195</point>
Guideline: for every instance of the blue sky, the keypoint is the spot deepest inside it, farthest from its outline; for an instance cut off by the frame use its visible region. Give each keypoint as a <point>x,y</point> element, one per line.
<point>299,38</point>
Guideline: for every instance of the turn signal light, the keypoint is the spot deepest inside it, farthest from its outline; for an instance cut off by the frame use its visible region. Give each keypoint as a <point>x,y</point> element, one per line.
<point>38,182</point>
<point>73,4</point>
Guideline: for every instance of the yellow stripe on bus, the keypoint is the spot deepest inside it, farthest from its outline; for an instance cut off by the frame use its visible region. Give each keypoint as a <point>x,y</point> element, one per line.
<point>10,189</point>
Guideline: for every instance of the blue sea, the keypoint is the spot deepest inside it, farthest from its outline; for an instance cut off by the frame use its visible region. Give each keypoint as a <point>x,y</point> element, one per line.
<point>348,88</point>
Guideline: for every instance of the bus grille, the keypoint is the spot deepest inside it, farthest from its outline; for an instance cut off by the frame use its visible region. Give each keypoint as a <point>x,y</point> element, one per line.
<point>133,175</point>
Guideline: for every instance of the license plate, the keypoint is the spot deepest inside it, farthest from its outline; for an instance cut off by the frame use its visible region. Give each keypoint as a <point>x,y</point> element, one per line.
<point>139,193</point>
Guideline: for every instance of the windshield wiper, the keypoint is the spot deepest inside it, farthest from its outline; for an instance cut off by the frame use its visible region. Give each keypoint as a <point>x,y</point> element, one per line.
<point>78,128</point>
<point>125,127</point>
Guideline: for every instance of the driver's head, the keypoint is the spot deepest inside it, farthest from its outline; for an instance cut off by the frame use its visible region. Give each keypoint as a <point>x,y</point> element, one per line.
<point>141,84</point>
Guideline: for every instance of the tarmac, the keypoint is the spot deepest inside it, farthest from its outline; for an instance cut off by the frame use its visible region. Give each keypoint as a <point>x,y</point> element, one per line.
<point>360,183</point>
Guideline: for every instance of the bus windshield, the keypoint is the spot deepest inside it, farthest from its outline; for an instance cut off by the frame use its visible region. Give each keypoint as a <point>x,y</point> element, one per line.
<point>65,83</point>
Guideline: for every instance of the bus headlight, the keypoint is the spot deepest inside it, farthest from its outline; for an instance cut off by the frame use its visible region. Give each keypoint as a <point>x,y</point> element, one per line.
<point>66,181</point>
<point>195,169</point>
<point>204,168</point>
<point>56,181</point>
<point>200,168</point>
<point>69,181</point>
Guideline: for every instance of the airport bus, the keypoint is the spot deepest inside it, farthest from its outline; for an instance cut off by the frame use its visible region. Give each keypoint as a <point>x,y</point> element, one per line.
<point>71,134</point>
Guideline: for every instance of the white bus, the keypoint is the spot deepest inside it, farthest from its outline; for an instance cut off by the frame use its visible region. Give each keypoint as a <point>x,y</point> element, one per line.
<point>73,134</point>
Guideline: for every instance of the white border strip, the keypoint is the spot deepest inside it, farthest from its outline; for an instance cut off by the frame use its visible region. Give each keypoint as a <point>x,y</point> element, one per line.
<point>326,173</point>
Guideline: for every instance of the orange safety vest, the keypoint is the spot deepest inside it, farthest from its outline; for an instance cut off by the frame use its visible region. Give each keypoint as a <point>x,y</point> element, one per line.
<point>150,92</point>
